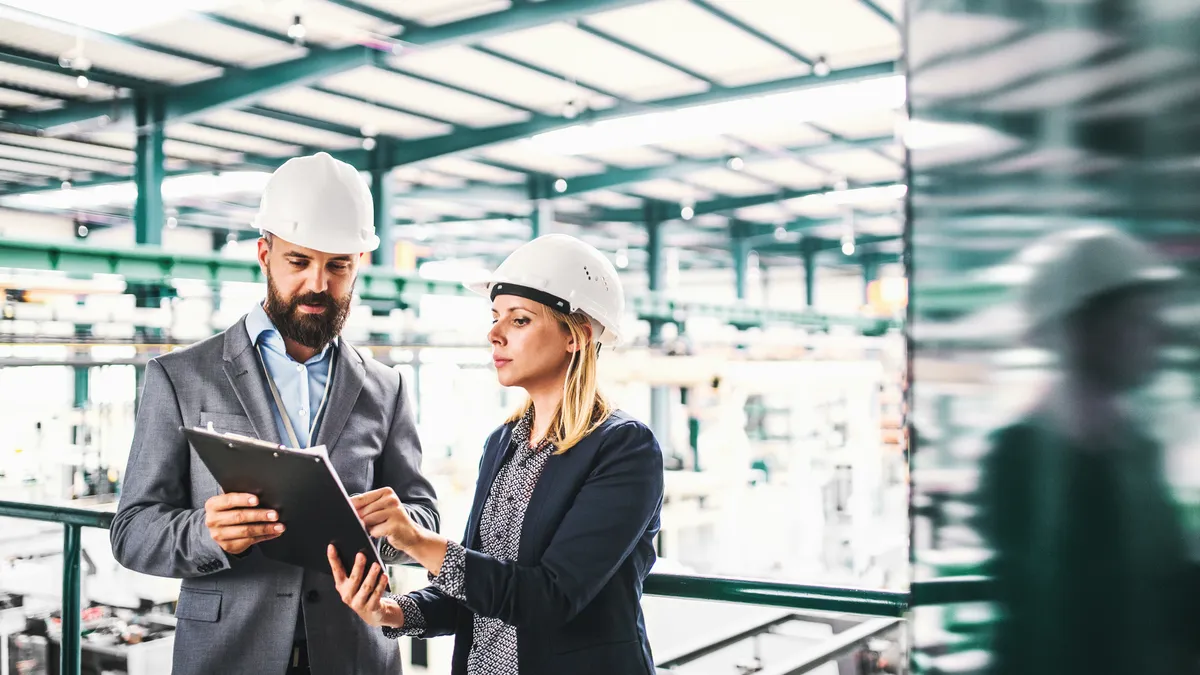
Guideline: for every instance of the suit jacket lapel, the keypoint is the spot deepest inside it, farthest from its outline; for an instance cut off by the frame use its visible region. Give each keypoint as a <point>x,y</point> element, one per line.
<point>548,484</point>
<point>348,377</point>
<point>246,376</point>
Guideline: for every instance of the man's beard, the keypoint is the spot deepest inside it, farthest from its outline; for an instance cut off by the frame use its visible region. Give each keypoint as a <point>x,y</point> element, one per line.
<point>310,330</point>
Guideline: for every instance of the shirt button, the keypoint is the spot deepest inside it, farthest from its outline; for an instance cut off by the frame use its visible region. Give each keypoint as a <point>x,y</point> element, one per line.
<point>303,412</point>
<point>299,367</point>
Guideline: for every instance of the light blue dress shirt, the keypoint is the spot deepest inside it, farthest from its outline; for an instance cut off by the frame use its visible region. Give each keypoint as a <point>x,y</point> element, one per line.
<point>301,385</point>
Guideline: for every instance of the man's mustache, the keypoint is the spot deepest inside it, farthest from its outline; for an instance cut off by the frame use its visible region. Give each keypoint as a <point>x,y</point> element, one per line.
<point>314,299</point>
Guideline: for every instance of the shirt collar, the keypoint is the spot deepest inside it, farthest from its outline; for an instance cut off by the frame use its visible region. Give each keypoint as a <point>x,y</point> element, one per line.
<point>260,327</point>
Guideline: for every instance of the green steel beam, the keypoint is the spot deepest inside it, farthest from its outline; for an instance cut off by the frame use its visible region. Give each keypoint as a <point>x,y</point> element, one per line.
<point>380,104</point>
<point>625,44</point>
<point>149,170</point>
<point>381,199</point>
<point>382,64</point>
<point>883,13</point>
<point>368,10</point>
<point>28,59</point>
<point>558,75</point>
<point>67,515</point>
<point>722,204</point>
<point>747,28</point>
<point>470,139</point>
<point>294,118</point>
<point>246,86</point>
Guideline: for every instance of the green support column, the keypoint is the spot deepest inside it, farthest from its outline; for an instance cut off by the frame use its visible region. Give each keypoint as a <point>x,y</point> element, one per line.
<point>148,170</point>
<point>382,200</point>
<point>738,234</point>
<point>808,251</point>
<point>82,382</point>
<point>660,397</point>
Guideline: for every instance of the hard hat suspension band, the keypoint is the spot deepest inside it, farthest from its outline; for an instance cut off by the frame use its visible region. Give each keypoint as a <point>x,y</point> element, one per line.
<point>552,301</point>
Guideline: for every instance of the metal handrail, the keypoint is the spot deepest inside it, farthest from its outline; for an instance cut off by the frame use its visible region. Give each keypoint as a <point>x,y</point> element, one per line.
<point>861,601</point>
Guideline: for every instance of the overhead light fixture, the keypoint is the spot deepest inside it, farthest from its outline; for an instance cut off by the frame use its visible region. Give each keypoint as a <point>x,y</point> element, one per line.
<point>369,131</point>
<point>172,223</point>
<point>715,119</point>
<point>841,184</point>
<point>82,82</point>
<point>66,185</point>
<point>82,230</point>
<point>736,163</point>
<point>231,237</point>
<point>622,259</point>
<point>560,185</point>
<point>781,233</point>
<point>297,31</point>
<point>570,110</point>
<point>368,144</point>
<point>687,212</point>
<point>848,245</point>
<point>821,67</point>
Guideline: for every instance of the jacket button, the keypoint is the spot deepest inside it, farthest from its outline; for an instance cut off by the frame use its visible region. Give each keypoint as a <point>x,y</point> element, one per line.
<point>312,596</point>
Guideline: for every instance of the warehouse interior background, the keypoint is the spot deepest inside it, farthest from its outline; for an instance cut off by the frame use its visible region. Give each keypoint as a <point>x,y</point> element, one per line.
<point>822,238</point>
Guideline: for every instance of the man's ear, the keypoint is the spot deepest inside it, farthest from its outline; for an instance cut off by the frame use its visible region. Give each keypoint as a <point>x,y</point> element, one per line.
<point>264,253</point>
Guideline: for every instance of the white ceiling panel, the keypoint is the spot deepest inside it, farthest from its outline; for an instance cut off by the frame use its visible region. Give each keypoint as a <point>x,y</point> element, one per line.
<point>409,177</point>
<point>10,98</point>
<point>478,171</point>
<point>572,52</point>
<point>70,147</point>
<point>861,165</point>
<point>69,161</point>
<point>845,31</point>
<point>610,199</point>
<point>325,23</point>
<point>231,140</point>
<point>869,124</point>
<point>52,83</point>
<point>527,155</point>
<point>476,71</point>
<point>783,136</point>
<point>704,147</point>
<point>938,34</point>
<point>684,33</point>
<point>633,158</point>
<point>33,168</point>
<point>196,35</point>
<point>288,132</point>
<point>789,173</point>
<point>670,190</point>
<point>423,97</point>
<point>106,54</point>
<point>438,12</point>
<point>200,153</point>
<point>728,182</point>
<point>354,114</point>
<point>764,213</point>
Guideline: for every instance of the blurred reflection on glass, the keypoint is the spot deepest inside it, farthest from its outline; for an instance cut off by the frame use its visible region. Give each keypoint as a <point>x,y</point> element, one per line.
<point>1089,550</point>
<point>1054,222</point>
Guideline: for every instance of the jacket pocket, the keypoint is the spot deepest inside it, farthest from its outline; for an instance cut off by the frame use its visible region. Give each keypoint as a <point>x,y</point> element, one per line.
<point>228,423</point>
<point>196,605</point>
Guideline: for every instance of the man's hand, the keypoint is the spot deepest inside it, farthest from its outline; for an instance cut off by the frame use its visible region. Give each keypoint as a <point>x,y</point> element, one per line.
<point>236,525</point>
<point>384,516</point>
<point>365,596</point>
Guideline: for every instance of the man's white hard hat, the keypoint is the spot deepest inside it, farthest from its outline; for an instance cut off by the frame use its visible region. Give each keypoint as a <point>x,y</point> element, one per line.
<point>321,203</point>
<point>565,274</point>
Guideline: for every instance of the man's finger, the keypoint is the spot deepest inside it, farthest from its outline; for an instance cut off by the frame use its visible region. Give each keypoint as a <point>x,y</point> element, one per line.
<point>377,594</point>
<point>368,586</point>
<point>231,500</point>
<point>356,575</point>
<point>375,518</point>
<point>240,516</point>
<point>385,503</point>
<point>232,532</point>
<point>247,542</point>
<point>335,564</point>
<point>378,531</point>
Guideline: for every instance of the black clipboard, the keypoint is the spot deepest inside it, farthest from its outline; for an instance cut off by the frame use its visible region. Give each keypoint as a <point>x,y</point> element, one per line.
<point>301,485</point>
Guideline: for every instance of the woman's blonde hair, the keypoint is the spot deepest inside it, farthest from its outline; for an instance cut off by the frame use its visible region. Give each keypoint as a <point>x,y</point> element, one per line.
<point>583,407</point>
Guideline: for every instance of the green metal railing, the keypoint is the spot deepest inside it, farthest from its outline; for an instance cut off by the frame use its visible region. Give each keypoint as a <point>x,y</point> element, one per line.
<point>777,594</point>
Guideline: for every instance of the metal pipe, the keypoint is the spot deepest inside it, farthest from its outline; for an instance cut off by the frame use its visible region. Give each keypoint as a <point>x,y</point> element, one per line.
<point>70,647</point>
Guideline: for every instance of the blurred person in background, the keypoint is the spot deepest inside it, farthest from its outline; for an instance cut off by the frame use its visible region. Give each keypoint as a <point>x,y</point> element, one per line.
<point>1089,564</point>
<point>548,578</point>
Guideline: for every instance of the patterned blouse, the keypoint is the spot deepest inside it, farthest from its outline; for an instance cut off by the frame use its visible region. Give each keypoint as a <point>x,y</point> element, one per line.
<point>494,646</point>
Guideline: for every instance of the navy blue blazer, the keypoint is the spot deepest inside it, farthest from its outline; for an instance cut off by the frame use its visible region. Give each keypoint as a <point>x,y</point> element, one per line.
<point>587,544</point>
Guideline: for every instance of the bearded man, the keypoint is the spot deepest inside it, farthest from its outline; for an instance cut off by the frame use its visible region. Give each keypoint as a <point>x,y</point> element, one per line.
<point>280,374</point>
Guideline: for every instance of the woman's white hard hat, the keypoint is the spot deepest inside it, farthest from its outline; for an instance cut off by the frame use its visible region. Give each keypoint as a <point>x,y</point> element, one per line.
<point>321,203</point>
<point>565,274</point>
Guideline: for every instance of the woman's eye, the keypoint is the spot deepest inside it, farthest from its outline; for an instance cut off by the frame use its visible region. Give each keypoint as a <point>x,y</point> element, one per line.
<point>521,322</point>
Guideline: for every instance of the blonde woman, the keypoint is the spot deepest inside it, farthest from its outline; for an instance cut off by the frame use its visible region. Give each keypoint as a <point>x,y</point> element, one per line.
<point>548,578</point>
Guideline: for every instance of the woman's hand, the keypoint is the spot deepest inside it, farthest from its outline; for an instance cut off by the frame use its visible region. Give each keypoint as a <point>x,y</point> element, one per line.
<point>385,516</point>
<point>365,596</point>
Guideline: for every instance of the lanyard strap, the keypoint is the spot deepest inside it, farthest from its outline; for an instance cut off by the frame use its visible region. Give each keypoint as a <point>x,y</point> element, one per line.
<point>287,422</point>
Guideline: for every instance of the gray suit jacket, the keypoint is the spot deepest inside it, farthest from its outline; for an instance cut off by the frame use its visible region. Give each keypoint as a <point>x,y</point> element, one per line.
<point>237,614</point>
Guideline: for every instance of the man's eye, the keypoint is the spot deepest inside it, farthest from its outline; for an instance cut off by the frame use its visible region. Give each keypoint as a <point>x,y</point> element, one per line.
<point>296,263</point>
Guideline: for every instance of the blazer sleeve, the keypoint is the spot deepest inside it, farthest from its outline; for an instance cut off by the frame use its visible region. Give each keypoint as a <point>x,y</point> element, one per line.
<point>155,530</point>
<point>608,517</point>
<point>399,467</point>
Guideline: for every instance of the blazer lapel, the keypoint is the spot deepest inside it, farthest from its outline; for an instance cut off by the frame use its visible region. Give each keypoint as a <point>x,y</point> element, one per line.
<point>487,471</point>
<point>548,484</point>
<point>348,378</point>
<point>249,383</point>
